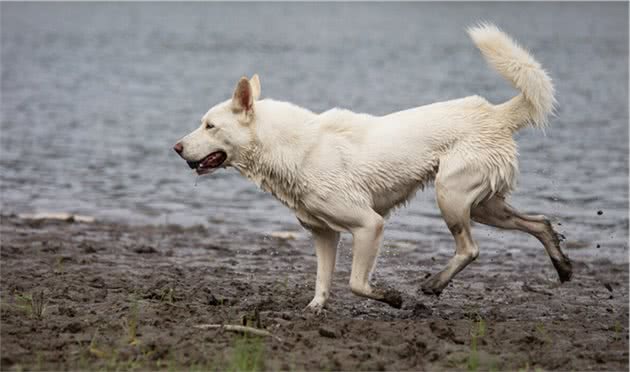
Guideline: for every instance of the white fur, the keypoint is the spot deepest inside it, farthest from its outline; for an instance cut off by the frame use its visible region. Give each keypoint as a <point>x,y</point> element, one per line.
<point>522,70</point>
<point>340,171</point>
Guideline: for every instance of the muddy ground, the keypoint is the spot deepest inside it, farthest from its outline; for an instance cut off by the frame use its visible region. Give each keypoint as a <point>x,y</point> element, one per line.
<point>111,296</point>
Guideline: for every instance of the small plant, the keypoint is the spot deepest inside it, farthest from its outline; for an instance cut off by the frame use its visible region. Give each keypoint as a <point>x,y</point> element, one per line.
<point>252,320</point>
<point>33,304</point>
<point>93,349</point>
<point>542,332</point>
<point>280,286</point>
<point>478,331</point>
<point>167,296</point>
<point>247,354</point>
<point>130,323</point>
<point>524,369</point>
<point>58,266</point>
<point>617,328</point>
<point>38,361</point>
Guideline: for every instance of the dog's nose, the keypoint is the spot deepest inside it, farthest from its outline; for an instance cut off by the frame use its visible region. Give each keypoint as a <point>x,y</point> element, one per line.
<point>178,148</point>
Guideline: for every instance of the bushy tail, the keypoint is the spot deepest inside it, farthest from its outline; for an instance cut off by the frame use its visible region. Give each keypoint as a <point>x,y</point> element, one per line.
<point>536,101</point>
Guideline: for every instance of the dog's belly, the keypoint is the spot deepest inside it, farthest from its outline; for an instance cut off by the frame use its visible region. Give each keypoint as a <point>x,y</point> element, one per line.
<point>311,221</point>
<point>384,202</point>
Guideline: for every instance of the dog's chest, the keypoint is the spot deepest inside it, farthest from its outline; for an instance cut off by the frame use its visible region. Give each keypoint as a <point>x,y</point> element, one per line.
<point>286,191</point>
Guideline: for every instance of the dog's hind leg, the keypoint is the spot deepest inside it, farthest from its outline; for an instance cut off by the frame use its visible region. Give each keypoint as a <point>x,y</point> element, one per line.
<point>498,213</point>
<point>367,238</point>
<point>326,242</point>
<point>455,193</point>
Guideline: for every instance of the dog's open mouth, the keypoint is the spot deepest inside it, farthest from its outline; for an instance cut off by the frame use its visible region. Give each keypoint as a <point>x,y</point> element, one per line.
<point>209,163</point>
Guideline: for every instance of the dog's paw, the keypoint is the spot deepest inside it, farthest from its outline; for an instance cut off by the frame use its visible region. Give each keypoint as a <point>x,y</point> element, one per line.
<point>432,287</point>
<point>564,268</point>
<point>314,307</point>
<point>431,291</point>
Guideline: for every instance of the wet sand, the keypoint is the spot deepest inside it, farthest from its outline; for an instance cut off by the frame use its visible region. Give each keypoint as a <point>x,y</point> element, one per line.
<point>128,297</point>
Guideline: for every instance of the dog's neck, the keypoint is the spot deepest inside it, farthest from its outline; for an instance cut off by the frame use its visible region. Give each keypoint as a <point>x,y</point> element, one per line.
<point>273,159</point>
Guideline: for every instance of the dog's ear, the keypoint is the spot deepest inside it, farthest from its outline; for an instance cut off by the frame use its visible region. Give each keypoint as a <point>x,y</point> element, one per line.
<point>243,98</point>
<point>255,83</point>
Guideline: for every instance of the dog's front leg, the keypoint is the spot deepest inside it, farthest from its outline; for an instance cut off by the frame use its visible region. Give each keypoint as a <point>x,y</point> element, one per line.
<point>367,240</point>
<point>326,242</point>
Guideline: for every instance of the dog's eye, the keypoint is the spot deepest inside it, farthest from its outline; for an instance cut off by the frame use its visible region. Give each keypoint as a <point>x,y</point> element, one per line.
<point>209,126</point>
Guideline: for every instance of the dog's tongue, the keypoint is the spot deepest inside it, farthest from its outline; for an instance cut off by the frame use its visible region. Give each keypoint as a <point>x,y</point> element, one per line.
<point>214,160</point>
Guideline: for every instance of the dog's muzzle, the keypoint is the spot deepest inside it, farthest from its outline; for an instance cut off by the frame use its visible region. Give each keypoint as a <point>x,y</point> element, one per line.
<point>208,164</point>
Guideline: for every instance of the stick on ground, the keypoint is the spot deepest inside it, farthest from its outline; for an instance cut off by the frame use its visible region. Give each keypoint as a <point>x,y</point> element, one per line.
<point>237,328</point>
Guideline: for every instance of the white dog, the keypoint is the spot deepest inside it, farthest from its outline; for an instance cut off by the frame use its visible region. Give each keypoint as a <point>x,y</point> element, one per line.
<point>344,172</point>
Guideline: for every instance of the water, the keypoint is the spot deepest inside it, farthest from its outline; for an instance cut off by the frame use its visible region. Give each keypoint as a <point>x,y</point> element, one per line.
<point>95,95</point>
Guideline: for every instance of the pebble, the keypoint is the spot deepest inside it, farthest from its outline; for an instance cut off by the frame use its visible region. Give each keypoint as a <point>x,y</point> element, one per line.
<point>285,235</point>
<point>145,249</point>
<point>327,332</point>
<point>73,327</point>
<point>421,310</point>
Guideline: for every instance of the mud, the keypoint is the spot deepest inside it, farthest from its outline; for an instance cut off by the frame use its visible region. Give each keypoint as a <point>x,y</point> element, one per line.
<point>104,295</point>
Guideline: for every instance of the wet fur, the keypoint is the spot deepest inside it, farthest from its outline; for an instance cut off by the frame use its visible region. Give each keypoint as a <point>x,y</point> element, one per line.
<point>340,171</point>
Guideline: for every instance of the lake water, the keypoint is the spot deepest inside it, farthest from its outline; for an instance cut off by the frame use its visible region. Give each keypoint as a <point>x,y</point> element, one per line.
<point>95,95</point>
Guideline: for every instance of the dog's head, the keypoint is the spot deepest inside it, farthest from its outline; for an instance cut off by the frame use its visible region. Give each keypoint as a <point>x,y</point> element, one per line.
<point>225,129</point>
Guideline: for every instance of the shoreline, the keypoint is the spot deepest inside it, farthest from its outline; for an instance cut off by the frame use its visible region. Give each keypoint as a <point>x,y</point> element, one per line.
<point>129,296</point>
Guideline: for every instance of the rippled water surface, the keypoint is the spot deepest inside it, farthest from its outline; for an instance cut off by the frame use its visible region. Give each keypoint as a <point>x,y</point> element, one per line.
<point>95,95</point>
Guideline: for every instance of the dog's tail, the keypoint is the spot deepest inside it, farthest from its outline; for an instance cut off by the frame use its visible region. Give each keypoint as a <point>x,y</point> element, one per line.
<point>536,101</point>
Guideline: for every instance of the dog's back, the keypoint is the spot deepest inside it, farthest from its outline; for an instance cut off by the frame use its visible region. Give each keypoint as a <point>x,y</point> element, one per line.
<point>401,152</point>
